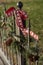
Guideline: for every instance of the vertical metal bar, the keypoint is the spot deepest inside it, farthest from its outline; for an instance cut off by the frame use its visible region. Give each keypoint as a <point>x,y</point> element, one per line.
<point>15,59</point>
<point>18,33</point>
<point>29,34</point>
<point>17,28</point>
<point>37,52</point>
<point>14,30</point>
<point>19,58</point>
<point>13,21</point>
<point>10,56</point>
<point>28,62</point>
<point>4,31</point>
<point>5,46</point>
<point>28,47</point>
<point>7,51</point>
<point>13,18</point>
<point>0,39</point>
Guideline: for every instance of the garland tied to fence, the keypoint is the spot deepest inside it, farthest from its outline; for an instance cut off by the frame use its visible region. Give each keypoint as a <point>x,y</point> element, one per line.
<point>19,15</point>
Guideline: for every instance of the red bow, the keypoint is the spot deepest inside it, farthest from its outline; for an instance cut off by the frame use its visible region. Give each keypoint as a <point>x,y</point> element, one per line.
<point>20,14</point>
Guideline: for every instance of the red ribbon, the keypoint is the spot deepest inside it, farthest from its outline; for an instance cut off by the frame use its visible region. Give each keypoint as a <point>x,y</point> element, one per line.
<point>20,14</point>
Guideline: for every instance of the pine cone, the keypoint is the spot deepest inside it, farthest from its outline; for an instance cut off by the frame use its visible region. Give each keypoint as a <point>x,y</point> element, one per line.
<point>9,41</point>
<point>31,57</point>
<point>36,57</point>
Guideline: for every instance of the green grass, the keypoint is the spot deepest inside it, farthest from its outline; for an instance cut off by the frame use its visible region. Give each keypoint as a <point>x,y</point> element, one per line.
<point>35,13</point>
